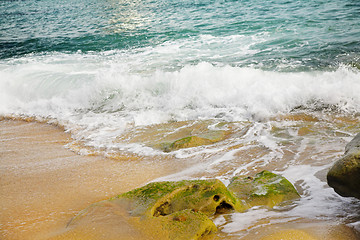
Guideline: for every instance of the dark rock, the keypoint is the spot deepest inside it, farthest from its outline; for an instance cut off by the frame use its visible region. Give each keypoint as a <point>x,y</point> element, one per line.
<point>344,176</point>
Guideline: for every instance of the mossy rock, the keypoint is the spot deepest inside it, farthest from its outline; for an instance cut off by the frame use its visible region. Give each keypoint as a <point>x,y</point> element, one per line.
<point>185,224</point>
<point>210,137</point>
<point>265,188</point>
<point>167,210</point>
<point>164,198</point>
<point>107,220</point>
<point>176,135</point>
<point>179,210</point>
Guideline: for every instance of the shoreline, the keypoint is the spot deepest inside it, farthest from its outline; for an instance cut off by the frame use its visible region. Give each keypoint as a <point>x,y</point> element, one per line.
<point>44,184</point>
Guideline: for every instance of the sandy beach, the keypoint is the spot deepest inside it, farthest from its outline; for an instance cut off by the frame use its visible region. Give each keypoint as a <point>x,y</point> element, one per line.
<point>43,184</point>
<point>98,98</point>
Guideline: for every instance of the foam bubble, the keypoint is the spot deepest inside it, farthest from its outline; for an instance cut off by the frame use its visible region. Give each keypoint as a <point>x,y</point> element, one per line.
<point>92,93</point>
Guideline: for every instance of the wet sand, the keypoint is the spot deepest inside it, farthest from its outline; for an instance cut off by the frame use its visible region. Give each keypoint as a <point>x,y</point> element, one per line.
<point>43,184</point>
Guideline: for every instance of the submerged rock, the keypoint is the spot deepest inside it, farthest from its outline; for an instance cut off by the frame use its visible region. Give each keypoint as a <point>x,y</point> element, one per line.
<point>344,176</point>
<point>265,188</point>
<point>207,138</point>
<point>176,135</point>
<point>290,234</point>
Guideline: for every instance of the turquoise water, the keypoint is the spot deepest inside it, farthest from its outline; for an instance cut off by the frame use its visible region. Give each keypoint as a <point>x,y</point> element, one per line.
<point>119,75</point>
<point>309,34</point>
<point>238,59</point>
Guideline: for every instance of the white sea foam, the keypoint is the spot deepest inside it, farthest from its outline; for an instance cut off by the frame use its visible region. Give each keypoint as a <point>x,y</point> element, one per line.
<point>98,95</point>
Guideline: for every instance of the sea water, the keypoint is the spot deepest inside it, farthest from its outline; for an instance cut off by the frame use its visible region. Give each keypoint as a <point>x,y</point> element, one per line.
<point>282,75</point>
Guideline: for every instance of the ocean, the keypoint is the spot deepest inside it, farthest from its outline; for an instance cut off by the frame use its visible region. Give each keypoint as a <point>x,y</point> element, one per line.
<point>281,78</point>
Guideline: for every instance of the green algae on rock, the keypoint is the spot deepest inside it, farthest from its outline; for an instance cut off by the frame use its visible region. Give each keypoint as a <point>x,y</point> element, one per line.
<point>210,137</point>
<point>176,135</point>
<point>344,176</point>
<point>265,188</point>
<point>169,210</point>
<point>180,210</point>
<point>163,198</point>
<point>108,220</point>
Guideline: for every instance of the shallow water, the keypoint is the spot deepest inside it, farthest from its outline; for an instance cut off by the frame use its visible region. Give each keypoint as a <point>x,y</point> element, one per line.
<point>300,147</point>
<point>279,80</point>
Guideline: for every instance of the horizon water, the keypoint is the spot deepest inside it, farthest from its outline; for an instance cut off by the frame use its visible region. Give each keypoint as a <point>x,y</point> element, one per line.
<point>282,76</point>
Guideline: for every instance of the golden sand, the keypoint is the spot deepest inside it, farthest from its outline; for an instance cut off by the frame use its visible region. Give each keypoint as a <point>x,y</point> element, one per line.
<point>43,184</point>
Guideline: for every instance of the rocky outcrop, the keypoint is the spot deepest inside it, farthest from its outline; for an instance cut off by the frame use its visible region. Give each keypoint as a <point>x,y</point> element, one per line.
<point>173,210</point>
<point>164,198</point>
<point>344,176</point>
<point>264,189</point>
<point>181,210</point>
